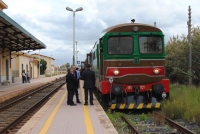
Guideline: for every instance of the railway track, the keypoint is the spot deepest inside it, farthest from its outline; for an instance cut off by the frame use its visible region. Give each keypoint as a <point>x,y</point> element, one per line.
<point>177,127</point>
<point>13,112</point>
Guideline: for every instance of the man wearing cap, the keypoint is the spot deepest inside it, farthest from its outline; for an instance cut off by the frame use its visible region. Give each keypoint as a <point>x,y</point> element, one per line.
<point>89,83</point>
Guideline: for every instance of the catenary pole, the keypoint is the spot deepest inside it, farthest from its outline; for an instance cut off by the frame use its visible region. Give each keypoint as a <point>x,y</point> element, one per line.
<point>190,47</point>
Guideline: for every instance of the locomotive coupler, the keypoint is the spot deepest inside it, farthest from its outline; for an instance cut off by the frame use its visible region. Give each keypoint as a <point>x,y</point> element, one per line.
<point>148,96</point>
<point>136,95</point>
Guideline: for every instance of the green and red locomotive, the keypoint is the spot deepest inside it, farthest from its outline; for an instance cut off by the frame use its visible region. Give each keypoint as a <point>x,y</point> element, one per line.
<point>128,61</point>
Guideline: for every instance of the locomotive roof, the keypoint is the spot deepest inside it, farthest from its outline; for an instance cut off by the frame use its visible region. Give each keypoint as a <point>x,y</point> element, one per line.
<point>128,27</point>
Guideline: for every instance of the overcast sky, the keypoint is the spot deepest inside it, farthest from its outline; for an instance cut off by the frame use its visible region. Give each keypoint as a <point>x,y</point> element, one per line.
<point>51,23</point>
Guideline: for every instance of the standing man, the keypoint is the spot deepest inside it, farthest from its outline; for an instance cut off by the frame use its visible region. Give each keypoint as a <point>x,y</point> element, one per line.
<point>77,77</point>
<point>89,83</point>
<point>23,76</point>
<point>28,76</point>
<point>71,86</point>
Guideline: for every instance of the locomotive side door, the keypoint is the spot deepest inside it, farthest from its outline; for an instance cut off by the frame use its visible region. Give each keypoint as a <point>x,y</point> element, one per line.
<point>101,59</point>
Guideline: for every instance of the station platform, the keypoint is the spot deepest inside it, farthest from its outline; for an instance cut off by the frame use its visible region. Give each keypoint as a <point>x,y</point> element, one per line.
<point>9,91</point>
<point>56,117</point>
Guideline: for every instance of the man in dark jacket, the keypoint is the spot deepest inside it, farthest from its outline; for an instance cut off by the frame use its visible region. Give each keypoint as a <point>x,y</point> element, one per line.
<point>89,83</point>
<point>71,86</point>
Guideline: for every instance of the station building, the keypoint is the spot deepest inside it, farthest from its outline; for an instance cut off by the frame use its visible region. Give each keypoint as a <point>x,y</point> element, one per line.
<point>23,61</point>
<point>13,38</point>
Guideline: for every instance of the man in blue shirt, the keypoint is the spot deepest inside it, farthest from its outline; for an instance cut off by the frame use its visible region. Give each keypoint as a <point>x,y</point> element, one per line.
<point>77,75</point>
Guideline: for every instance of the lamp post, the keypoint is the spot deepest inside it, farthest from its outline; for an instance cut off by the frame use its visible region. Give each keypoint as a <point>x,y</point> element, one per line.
<point>78,9</point>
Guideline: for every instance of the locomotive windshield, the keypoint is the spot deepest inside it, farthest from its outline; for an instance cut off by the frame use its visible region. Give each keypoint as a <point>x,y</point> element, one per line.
<point>150,44</point>
<point>120,45</point>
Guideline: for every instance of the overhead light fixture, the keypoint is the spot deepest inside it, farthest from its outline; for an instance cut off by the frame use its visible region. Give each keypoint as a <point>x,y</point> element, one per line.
<point>69,9</point>
<point>79,9</point>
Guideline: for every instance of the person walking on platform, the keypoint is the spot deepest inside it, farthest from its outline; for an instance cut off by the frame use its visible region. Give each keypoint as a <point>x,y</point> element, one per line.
<point>28,76</point>
<point>89,84</point>
<point>77,75</point>
<point>71,86</point>
<point>23,76</point>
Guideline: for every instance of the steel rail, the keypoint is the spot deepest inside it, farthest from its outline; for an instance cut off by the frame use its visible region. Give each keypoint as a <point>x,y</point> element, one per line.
<point>177,126</point>
<point>21,98</point>
<point>14,122</point>
<point>130,125</point>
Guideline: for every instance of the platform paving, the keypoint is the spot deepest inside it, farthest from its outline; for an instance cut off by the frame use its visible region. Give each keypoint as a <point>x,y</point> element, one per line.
<point>79,119</point>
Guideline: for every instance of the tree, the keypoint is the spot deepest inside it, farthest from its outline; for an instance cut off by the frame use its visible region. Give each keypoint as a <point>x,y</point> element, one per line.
<point>177,51</point>
<point>43,66</point>
<point>67,65</point>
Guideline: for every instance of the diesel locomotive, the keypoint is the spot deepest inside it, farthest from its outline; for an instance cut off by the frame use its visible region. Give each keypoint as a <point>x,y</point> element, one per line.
<point>129,64</point>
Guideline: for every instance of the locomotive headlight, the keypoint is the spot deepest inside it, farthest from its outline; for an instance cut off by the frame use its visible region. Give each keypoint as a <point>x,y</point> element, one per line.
<point>156,71</point>
<point>116,72</point>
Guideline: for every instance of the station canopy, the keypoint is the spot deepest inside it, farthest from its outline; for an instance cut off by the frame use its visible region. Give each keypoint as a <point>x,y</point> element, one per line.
<point>16,38</point>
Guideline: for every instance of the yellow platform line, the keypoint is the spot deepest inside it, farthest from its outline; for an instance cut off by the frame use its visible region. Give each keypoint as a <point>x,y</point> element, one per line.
<point>51,117</point>
<point>87,119</point>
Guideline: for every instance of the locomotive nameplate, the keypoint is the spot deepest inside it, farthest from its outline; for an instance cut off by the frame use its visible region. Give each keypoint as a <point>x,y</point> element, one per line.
<point>136,60</point>
<point>142,87</point>
<point>129,87</point>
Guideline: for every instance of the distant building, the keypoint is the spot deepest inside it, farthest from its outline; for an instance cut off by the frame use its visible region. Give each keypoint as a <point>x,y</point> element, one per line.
<point>50,63</point>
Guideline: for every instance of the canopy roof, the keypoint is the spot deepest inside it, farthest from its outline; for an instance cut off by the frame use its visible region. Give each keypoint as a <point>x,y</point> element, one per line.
<point>16,38</point>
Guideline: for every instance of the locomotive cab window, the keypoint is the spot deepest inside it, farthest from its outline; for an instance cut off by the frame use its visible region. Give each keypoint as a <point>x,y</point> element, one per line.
<point>120,45</point>
<point>93,55</point>
<point>150,44</point>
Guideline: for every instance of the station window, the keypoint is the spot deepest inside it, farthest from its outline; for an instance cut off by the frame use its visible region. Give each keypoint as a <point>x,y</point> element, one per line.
<point>120,45</point>
<point>150,44</point>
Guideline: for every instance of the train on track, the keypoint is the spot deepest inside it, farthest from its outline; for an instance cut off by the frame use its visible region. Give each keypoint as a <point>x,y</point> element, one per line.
<point>129,64</point>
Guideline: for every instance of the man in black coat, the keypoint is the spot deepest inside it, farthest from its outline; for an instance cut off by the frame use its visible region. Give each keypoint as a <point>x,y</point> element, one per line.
<point>71,86</point>
<point>89,84</point>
